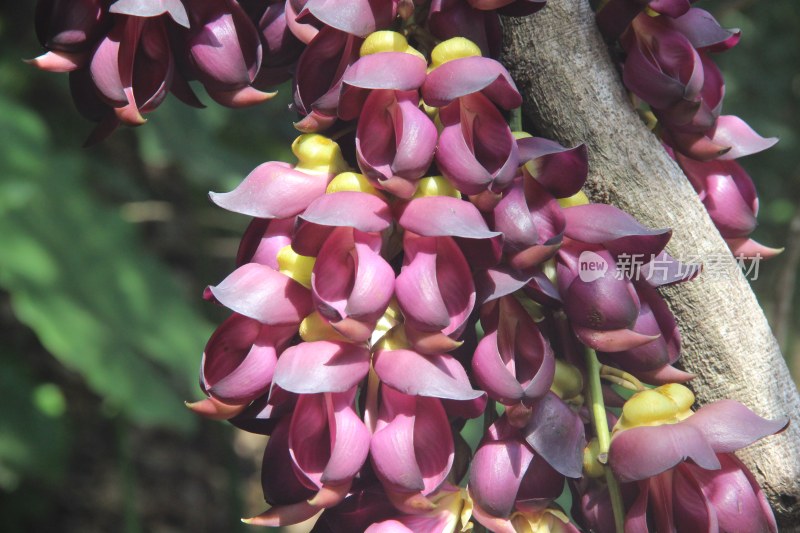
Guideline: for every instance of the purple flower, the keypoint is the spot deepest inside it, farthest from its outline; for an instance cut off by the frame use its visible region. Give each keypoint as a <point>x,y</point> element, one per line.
<point>448,19</point>
<point>513,362</point>
<point>657,433</point>
<point>412,449</point>
<point>70,26</point>
<point>508,478</point>
<point>327,444</point>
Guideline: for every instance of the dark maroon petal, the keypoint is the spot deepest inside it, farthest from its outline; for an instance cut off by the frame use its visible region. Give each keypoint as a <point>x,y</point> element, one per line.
<point>456,18</point>
<point>69,26</point>
<point>701,28</point>
<point>322,366</point>
<point>278,479</point>
<point>556,433</point>
<point>240,357</point>
<point>562,171</point>
<point>614,229</point>
<point>646,451</point>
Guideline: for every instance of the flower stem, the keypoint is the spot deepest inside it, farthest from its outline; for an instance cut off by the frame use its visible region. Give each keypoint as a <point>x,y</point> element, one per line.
<point>600,424</point>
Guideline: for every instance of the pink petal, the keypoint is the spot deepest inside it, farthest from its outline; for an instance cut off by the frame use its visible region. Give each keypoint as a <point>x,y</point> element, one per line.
<point>273,190</point>
<point>436,376</point>
<point>259,292</point>
<point>468,75</point>
<point>734,132</point>
<point>322,366</point>
<point>152,8</point>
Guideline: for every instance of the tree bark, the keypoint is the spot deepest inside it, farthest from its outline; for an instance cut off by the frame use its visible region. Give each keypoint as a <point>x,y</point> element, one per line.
<point>573,93</point>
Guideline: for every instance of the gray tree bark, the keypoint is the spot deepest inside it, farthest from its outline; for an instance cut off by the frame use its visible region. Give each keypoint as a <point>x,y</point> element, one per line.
<point>573,93</point>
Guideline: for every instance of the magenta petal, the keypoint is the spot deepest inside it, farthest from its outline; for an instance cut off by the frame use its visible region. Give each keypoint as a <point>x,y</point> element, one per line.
<point>417,286</point>
<point>392,446</point>
<point>642,452</point>
<point>386,70</point>
<point>692,511</point>
<point>614,229</point>
<point>322,366</point>
<point>259,292</point>
<point>666,270</point>
<point>497,470</point>
<point>263,239</point>
<point>436,376</point>
<point>152,8</point>
<point>562,171</point>
<point>239,359</point>
<point>701,28</point>
<point>328,440</point>
<point>733,132</point>
<point>467,75</point>
<point>395,141</point>
<point>273,190</point>
<point>497,282</point>
<point>476,149</point>
<point>445,216</point>
<point>556,433</point>
<point>492,374</point>
<point>358,210</point>
<point>278,479</point>
<point>729,426</point>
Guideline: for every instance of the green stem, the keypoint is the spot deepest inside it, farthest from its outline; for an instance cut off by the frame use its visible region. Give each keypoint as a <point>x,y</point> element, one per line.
<point>515,121</point>
<point>600,424</point>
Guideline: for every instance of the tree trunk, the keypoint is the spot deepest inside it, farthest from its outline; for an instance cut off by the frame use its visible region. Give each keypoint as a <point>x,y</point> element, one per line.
<point>573,93</point>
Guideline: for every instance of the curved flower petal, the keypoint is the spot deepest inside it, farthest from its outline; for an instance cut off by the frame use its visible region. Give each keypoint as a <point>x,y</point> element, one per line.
<point>152,8</point>
<point>643,452</point>
<point>468,75</point>
<point>476,149</point>
<point>412,449</point>
<point>395,141</point>
<point>321,366</point>
<point>562,171</point>
<point>618,231</point>
<point>239,358</point>
<point>556,433</point>
<point>728,425</point>
<point>263,239</point>
<point>259,292</point>
<point>436,376</point>
<point>734,132</point>
<point>357,17</point>
<point>273,190</point>
<point>396,71</point>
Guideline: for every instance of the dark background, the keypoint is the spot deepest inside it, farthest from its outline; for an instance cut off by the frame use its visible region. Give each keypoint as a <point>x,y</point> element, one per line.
<point>104,253</point>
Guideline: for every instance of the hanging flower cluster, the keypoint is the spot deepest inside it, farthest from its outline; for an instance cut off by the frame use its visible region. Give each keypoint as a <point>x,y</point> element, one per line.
<point>668,64</point>
<point>423,264</point>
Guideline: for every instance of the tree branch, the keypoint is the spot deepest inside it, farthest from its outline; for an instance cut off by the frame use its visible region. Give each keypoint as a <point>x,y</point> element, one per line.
<point>573,94</point>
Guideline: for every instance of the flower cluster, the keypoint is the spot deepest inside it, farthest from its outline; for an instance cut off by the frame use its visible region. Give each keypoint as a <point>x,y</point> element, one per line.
<point>426,268</point>
<point>668,49</point>
<point>422,264</point>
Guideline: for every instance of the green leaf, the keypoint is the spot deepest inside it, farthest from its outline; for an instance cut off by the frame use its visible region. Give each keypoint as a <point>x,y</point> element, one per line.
<point>79,278</point>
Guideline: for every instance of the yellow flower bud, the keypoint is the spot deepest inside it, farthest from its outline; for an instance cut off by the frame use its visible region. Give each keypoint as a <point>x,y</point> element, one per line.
<point>578,198</point>
<point>591,465</point>
<point>436,186</point>
<point>296,266</point>
<point>317,154</point>
<point>454,48</point>
<point>567,382</point>
<point>315,328</point>
<point>667,404</point>
<point>388,41</point>
<point>351,181</point>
